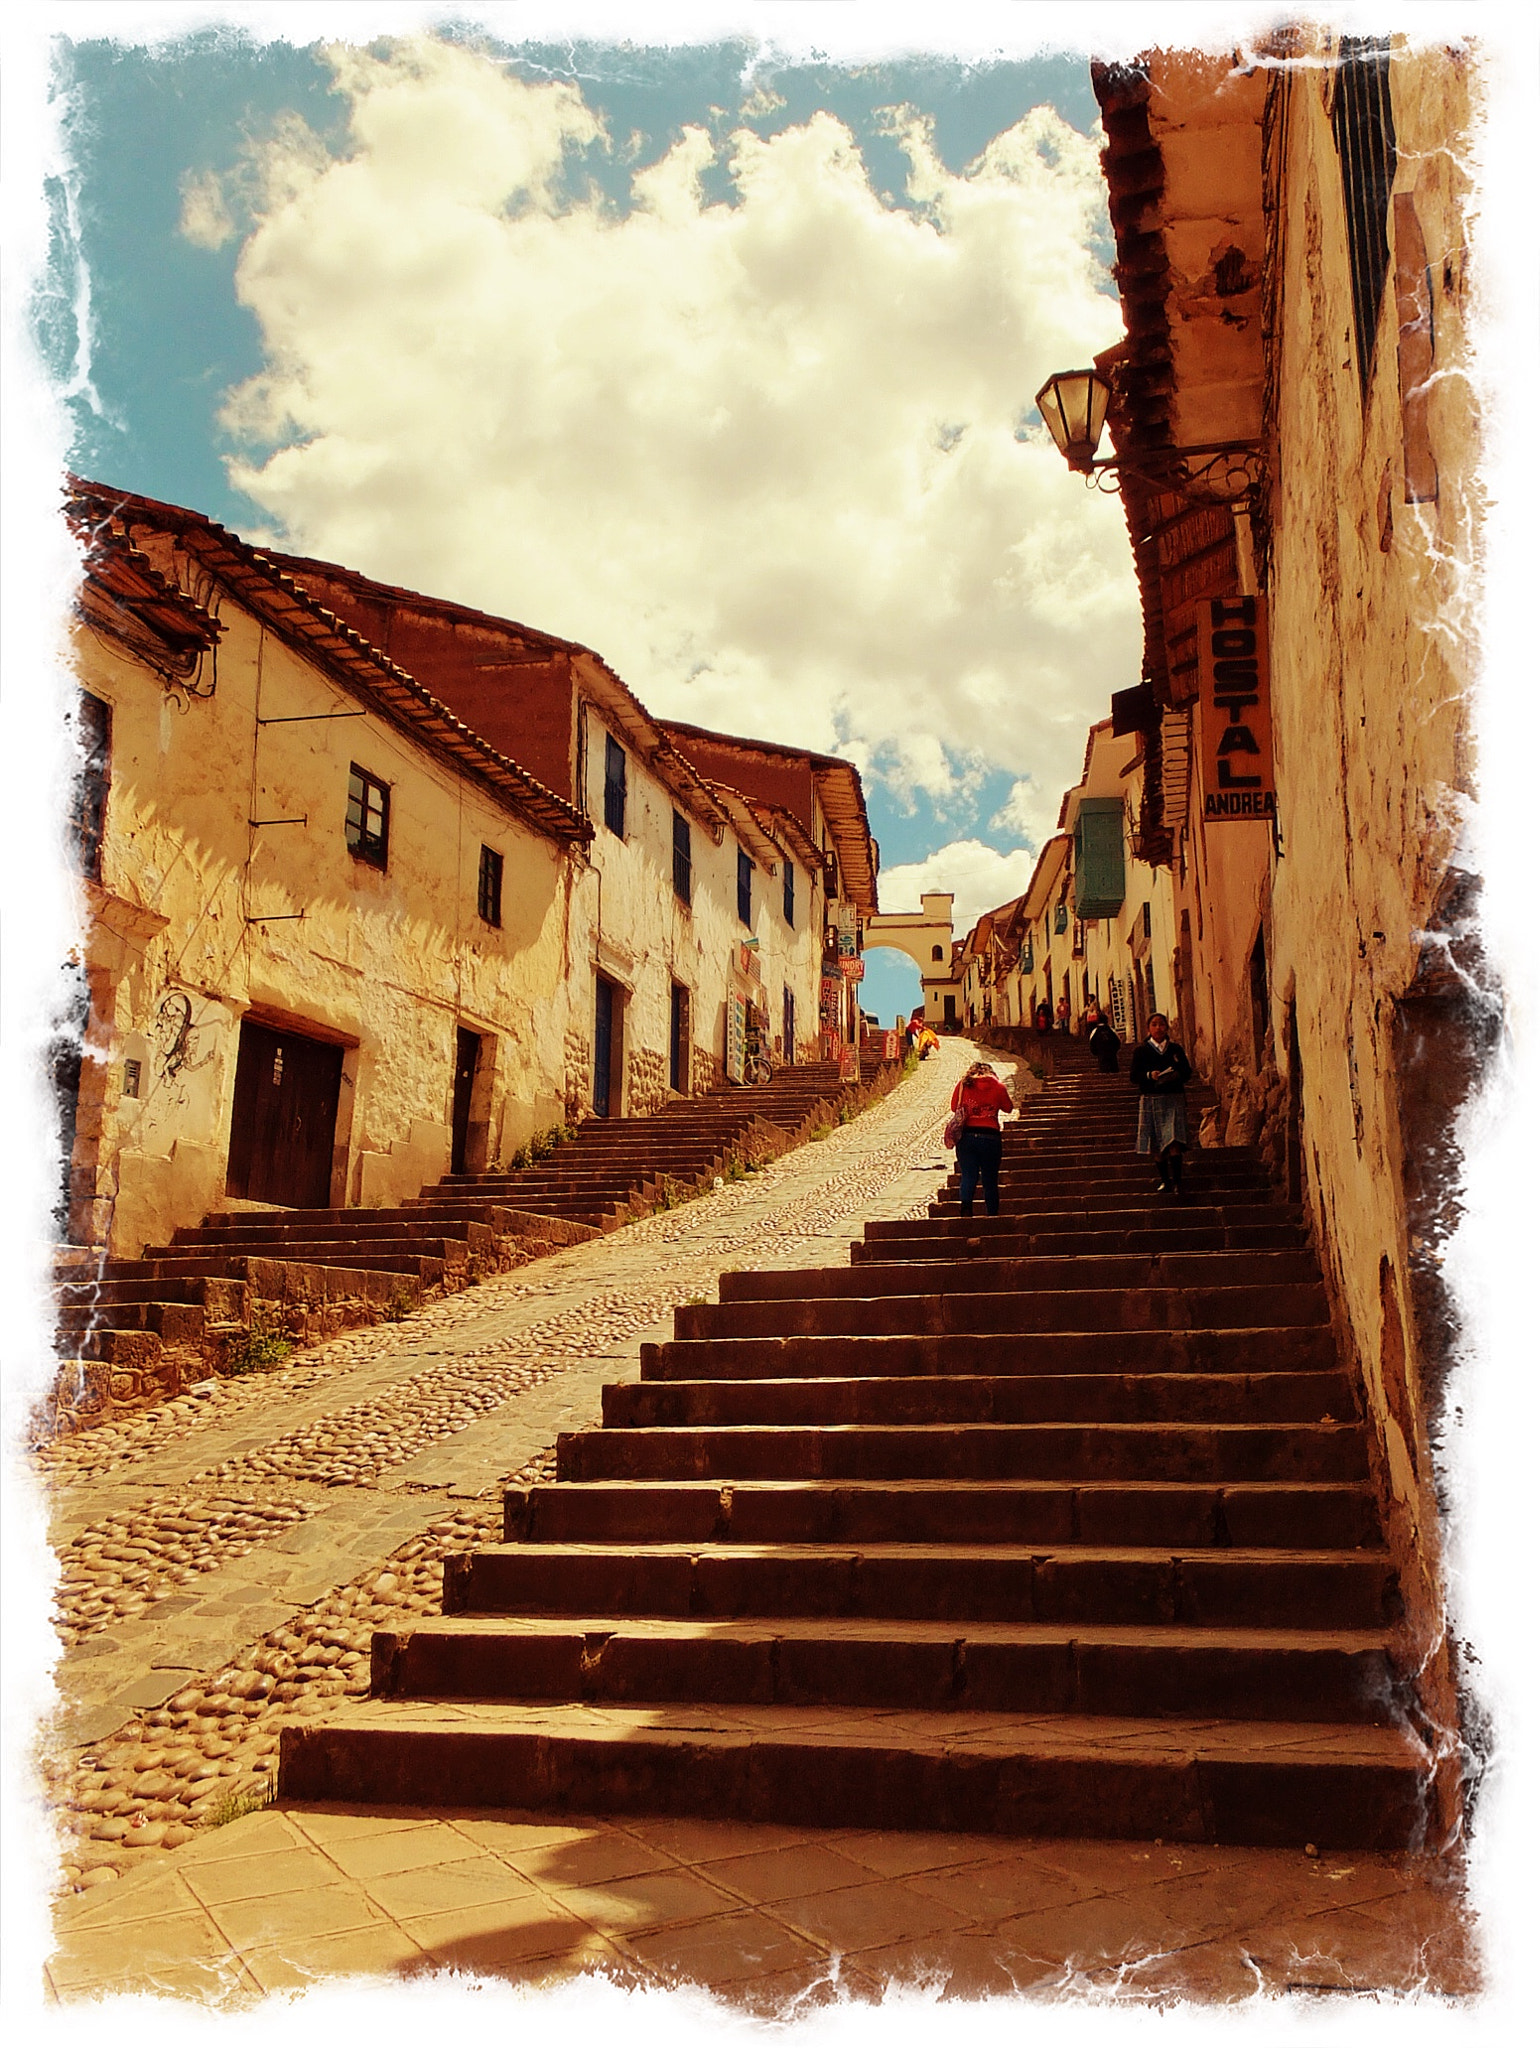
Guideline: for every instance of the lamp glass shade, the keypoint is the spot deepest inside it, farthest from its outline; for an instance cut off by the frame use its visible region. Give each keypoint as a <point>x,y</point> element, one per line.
<point>1074,408</point>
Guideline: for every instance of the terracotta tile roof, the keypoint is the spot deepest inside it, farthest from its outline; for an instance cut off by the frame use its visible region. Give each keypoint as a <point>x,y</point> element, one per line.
<point>281,602</point>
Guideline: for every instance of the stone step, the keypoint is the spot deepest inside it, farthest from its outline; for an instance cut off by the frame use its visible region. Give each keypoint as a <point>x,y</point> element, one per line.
<point>1278,1784</point>
<point>946,1226</point>
<point>360,1228</point>
<point>1308,1348</point>
<point>1292,1514</point>
<point>1124,1587</point>
<point>1217,1452</point>
<point>130,1350</point>
<point>220,1299</point>
<point>408,1261</point>
<point>1026,1397</point>
<point>1312,1674</point>
<point>1174,1232</point>
<point>981,1274</point>
<point>1285,1305</point>
<point>174,1322</point>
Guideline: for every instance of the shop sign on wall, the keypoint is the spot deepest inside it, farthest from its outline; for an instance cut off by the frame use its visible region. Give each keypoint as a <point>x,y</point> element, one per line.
<point>1235,725</point>
<point>852,968</point>
<point>735,1032</point>
<point>829,1002</point>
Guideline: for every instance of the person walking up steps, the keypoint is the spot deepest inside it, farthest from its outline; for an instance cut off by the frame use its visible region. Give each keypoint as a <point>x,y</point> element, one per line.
<point>978,1099</point>
<point>1160,1071</point>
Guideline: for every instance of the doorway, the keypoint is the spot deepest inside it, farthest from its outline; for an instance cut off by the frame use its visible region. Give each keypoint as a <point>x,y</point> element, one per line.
<point>467,1059</point>
<point>609,1012</point>
<point>679,1038</point>
<point>283,1126</point>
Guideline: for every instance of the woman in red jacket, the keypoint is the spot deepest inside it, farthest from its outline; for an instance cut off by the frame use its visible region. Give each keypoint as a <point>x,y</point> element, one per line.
<point>979,1097</point>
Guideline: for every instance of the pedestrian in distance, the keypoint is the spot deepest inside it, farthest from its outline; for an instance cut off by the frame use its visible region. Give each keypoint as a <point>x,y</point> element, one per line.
<point>1160,1071</point>
<point>979,1098</point>
<point>1042,1017</point>
<point>1104,1043</point>
<point>1061,1014</point>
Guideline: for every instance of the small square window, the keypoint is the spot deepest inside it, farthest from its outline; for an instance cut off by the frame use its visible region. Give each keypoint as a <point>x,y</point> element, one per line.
<point>489,887</point>
<point>368,817</point>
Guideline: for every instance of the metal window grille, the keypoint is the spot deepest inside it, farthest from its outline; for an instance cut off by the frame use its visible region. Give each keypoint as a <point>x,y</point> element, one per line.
<point>745,888</point>
<point>368,825</point>
<point>489,886</point>
<point>614,786</point>
<point>789,892</point>
<point>1365,133</point>
<point>1119,1005</point>
<point>681,857</point>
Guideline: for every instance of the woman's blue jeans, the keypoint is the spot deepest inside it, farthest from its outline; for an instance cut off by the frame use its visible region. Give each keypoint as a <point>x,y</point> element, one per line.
<point>978,1159</point>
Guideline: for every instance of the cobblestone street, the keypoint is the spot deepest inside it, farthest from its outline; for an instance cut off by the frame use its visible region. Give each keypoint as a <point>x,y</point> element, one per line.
<point>226,1558</point>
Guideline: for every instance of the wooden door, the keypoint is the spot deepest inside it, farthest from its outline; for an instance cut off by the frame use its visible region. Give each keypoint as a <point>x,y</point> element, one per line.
<point>604,1042</point>
<point>284,1123</point>
<point>679,1039</point>
<point>467,1055</point>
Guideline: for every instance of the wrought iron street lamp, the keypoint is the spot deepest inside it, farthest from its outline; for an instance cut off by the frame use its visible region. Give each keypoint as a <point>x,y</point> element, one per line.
<point>1073,405</point>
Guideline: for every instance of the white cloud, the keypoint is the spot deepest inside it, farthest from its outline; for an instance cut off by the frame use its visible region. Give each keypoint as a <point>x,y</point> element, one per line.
<point>719,443</point>
<point>979,877</point>
<point>206,220</point>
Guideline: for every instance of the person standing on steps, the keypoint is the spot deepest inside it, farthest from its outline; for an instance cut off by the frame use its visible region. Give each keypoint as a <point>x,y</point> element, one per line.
<point>1061,1014</point>
<point>1104,1043</point>
<point>979,1098</point>
<point>1160,1071</point>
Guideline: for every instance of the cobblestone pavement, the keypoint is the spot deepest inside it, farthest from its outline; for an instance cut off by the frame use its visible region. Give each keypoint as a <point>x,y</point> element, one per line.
<point>227,1557</point>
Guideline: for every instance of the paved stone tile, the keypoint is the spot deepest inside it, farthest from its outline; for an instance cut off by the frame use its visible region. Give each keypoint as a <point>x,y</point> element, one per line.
<point>1001,1889</point>
<point>729,1950</point>
<point>654,1900</point>
<point>501,1938</point>
<point>869,1916</point>
<point>318,1909</point>
<point>379,1951</point>
<point>795,1871</point>
<point>260,1877</point>
<point>449,1887</point>
<point>319,1824</point>
<point>602,1858</point>
<point>387,1854</point>
<point>1091,1931</point>
<point>180,1952</point>
<point>904,1855</point>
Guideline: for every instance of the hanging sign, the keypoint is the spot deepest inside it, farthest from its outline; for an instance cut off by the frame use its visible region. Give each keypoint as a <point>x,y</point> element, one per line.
<point>1235,725</point>
<point>735,1035</point>
<point>845,917</point>
<point>829,1002</point>
<point>852,968</point>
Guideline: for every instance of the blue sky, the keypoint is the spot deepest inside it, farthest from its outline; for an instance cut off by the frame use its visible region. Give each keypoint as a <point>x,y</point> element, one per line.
<point>174,324</point>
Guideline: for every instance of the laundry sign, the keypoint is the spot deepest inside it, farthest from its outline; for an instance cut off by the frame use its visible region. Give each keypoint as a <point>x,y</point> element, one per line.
<point>1235,725</point>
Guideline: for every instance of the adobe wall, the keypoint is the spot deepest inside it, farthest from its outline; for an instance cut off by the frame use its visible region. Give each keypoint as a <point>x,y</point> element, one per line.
<point>387,964</point>
<point>630,926</point>
<point>1371,609</point>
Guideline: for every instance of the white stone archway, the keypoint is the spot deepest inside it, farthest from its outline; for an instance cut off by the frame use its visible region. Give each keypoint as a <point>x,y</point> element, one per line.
<point>926,936</point>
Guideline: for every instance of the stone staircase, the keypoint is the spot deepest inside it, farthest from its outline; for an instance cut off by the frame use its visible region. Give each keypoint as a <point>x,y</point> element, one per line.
<point>1057,1523</point>
<point>323,1269</point>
